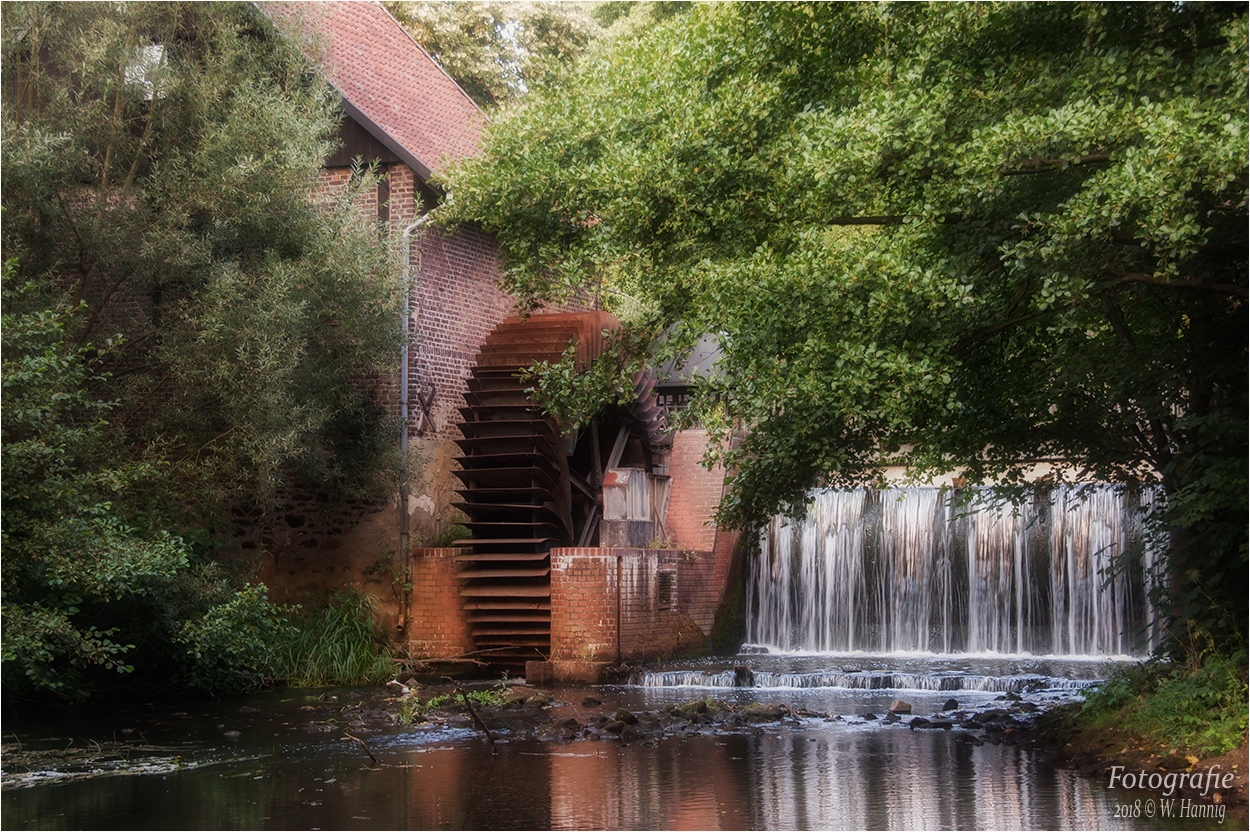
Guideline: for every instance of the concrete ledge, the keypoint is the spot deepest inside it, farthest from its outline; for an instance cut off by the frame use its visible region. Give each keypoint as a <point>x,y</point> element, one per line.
<point>582,673</point>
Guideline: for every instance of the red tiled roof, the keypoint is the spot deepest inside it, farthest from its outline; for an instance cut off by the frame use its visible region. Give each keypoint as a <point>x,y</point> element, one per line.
<point>388,83</point>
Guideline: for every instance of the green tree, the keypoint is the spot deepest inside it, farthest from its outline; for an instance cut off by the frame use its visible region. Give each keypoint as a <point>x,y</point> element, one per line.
<point>956,236</point>
<point>190,330</point>
<point>497,51</point>
<point>70,560</point>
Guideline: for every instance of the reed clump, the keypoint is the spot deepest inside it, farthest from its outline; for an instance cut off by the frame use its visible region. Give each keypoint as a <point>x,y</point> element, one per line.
<point>337,644</point>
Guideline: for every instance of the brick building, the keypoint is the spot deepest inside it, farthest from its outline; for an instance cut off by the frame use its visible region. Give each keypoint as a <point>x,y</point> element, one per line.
<point>403,113</point>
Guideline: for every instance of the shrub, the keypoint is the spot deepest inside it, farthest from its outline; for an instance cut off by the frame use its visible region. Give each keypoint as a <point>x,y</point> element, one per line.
<point>232,646</point>
<point>1197,706</point>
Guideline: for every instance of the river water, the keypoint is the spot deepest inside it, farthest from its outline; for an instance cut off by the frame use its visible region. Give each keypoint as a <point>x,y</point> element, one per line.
<point>289,766</point>
<point>903,593</point>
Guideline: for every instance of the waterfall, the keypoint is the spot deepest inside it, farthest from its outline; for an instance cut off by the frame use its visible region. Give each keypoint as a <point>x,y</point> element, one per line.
<point>909,570</point>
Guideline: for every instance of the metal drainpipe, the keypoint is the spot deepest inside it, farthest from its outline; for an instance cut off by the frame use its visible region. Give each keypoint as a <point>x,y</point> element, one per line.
<point>404,521</point>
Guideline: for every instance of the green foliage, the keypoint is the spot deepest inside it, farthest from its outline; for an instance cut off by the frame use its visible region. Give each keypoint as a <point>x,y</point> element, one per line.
<point>961,237</point>
<point>177,205</point>
<point>450,535</point>
<point>414,709</point>
<point>189,330</point>
<point>337,644</point>
<point>74,567</point>
<point>232,646</point>
<point>497,51</point>
<point>573,394</point>
<point>1199,706</point>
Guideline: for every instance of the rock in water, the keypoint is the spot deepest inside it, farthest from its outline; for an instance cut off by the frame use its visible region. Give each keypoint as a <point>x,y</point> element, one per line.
<point>950,705</point>
<point>898,706</point>
<point>765,712</point>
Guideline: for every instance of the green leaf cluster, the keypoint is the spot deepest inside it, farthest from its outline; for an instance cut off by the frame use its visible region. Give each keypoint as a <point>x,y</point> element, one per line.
<point>73,566</point>
<point>961,237</point>
<point>234,646</point>
<point>191,328</point>
<point>498,51</point>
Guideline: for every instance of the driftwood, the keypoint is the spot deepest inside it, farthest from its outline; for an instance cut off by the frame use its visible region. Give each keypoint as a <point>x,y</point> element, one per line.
<point>463,658</point>
<point>346,737</point>
<point>477,720</point>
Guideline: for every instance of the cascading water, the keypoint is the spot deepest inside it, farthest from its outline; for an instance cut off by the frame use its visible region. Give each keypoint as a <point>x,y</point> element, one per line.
<point>909,570</point>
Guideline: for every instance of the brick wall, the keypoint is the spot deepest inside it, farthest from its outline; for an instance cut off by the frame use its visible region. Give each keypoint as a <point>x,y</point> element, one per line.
<point>437,626</point>
<point>455,305</point>
<point>696,492</point>
<point>634,604</point>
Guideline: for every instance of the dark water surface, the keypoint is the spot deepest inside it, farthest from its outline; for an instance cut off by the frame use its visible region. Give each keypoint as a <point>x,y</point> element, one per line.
<point>287,770</point>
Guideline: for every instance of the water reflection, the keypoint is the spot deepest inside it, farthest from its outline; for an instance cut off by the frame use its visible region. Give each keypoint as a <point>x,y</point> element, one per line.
<point>831,777</point>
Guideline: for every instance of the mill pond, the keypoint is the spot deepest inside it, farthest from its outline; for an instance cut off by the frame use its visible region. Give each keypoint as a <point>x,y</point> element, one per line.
<point>811,745</point>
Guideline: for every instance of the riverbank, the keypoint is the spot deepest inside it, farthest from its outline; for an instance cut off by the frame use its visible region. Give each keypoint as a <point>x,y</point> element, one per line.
<point>1101,753</point>
<point>1162,722</point>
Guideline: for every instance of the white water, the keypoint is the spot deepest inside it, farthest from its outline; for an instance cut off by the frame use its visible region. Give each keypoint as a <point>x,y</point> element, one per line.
<point>889,680</point>
<point>906,570</point>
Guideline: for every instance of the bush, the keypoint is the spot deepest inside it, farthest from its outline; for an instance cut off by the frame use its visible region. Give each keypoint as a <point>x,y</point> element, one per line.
<point>232,646</point>
<point>1198,706</point>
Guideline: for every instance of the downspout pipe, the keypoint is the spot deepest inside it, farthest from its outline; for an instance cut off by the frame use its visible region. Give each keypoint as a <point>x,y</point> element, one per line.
<point>405,532</point>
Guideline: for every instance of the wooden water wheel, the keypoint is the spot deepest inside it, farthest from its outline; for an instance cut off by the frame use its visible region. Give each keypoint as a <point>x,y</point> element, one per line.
<point>527,486</point>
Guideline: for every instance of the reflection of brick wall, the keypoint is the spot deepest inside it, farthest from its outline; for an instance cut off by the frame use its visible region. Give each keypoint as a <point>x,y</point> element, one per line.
<point>437,627</point>
<point>631,604</point>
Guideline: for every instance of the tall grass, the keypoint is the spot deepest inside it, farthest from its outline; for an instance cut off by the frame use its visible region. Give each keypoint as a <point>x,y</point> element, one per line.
<point>337,644</point>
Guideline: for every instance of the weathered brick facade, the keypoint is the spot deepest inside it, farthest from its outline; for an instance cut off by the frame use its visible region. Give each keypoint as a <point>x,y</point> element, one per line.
<point>403,114</point>
<point>437,622</point>
<point>619,605</point>
<point>696,492</point>
<point>456,303</point>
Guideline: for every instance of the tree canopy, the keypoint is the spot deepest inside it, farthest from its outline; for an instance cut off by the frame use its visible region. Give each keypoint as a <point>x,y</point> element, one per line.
<point>499,51</point>
<point>961,237</point>
<point>189,330</point>
<point>496,51</point>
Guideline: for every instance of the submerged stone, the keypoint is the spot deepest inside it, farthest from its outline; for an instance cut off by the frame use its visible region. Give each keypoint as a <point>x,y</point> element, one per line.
<point>765,712</point>
<point>626,716</point>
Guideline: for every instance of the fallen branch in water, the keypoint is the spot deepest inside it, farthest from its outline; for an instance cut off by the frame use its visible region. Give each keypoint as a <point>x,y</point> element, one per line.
<point>477,720</point>
<point>346,736</point>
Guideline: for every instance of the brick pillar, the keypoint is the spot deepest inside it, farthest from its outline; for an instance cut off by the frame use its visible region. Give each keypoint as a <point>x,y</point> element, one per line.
<point>437,625</point>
